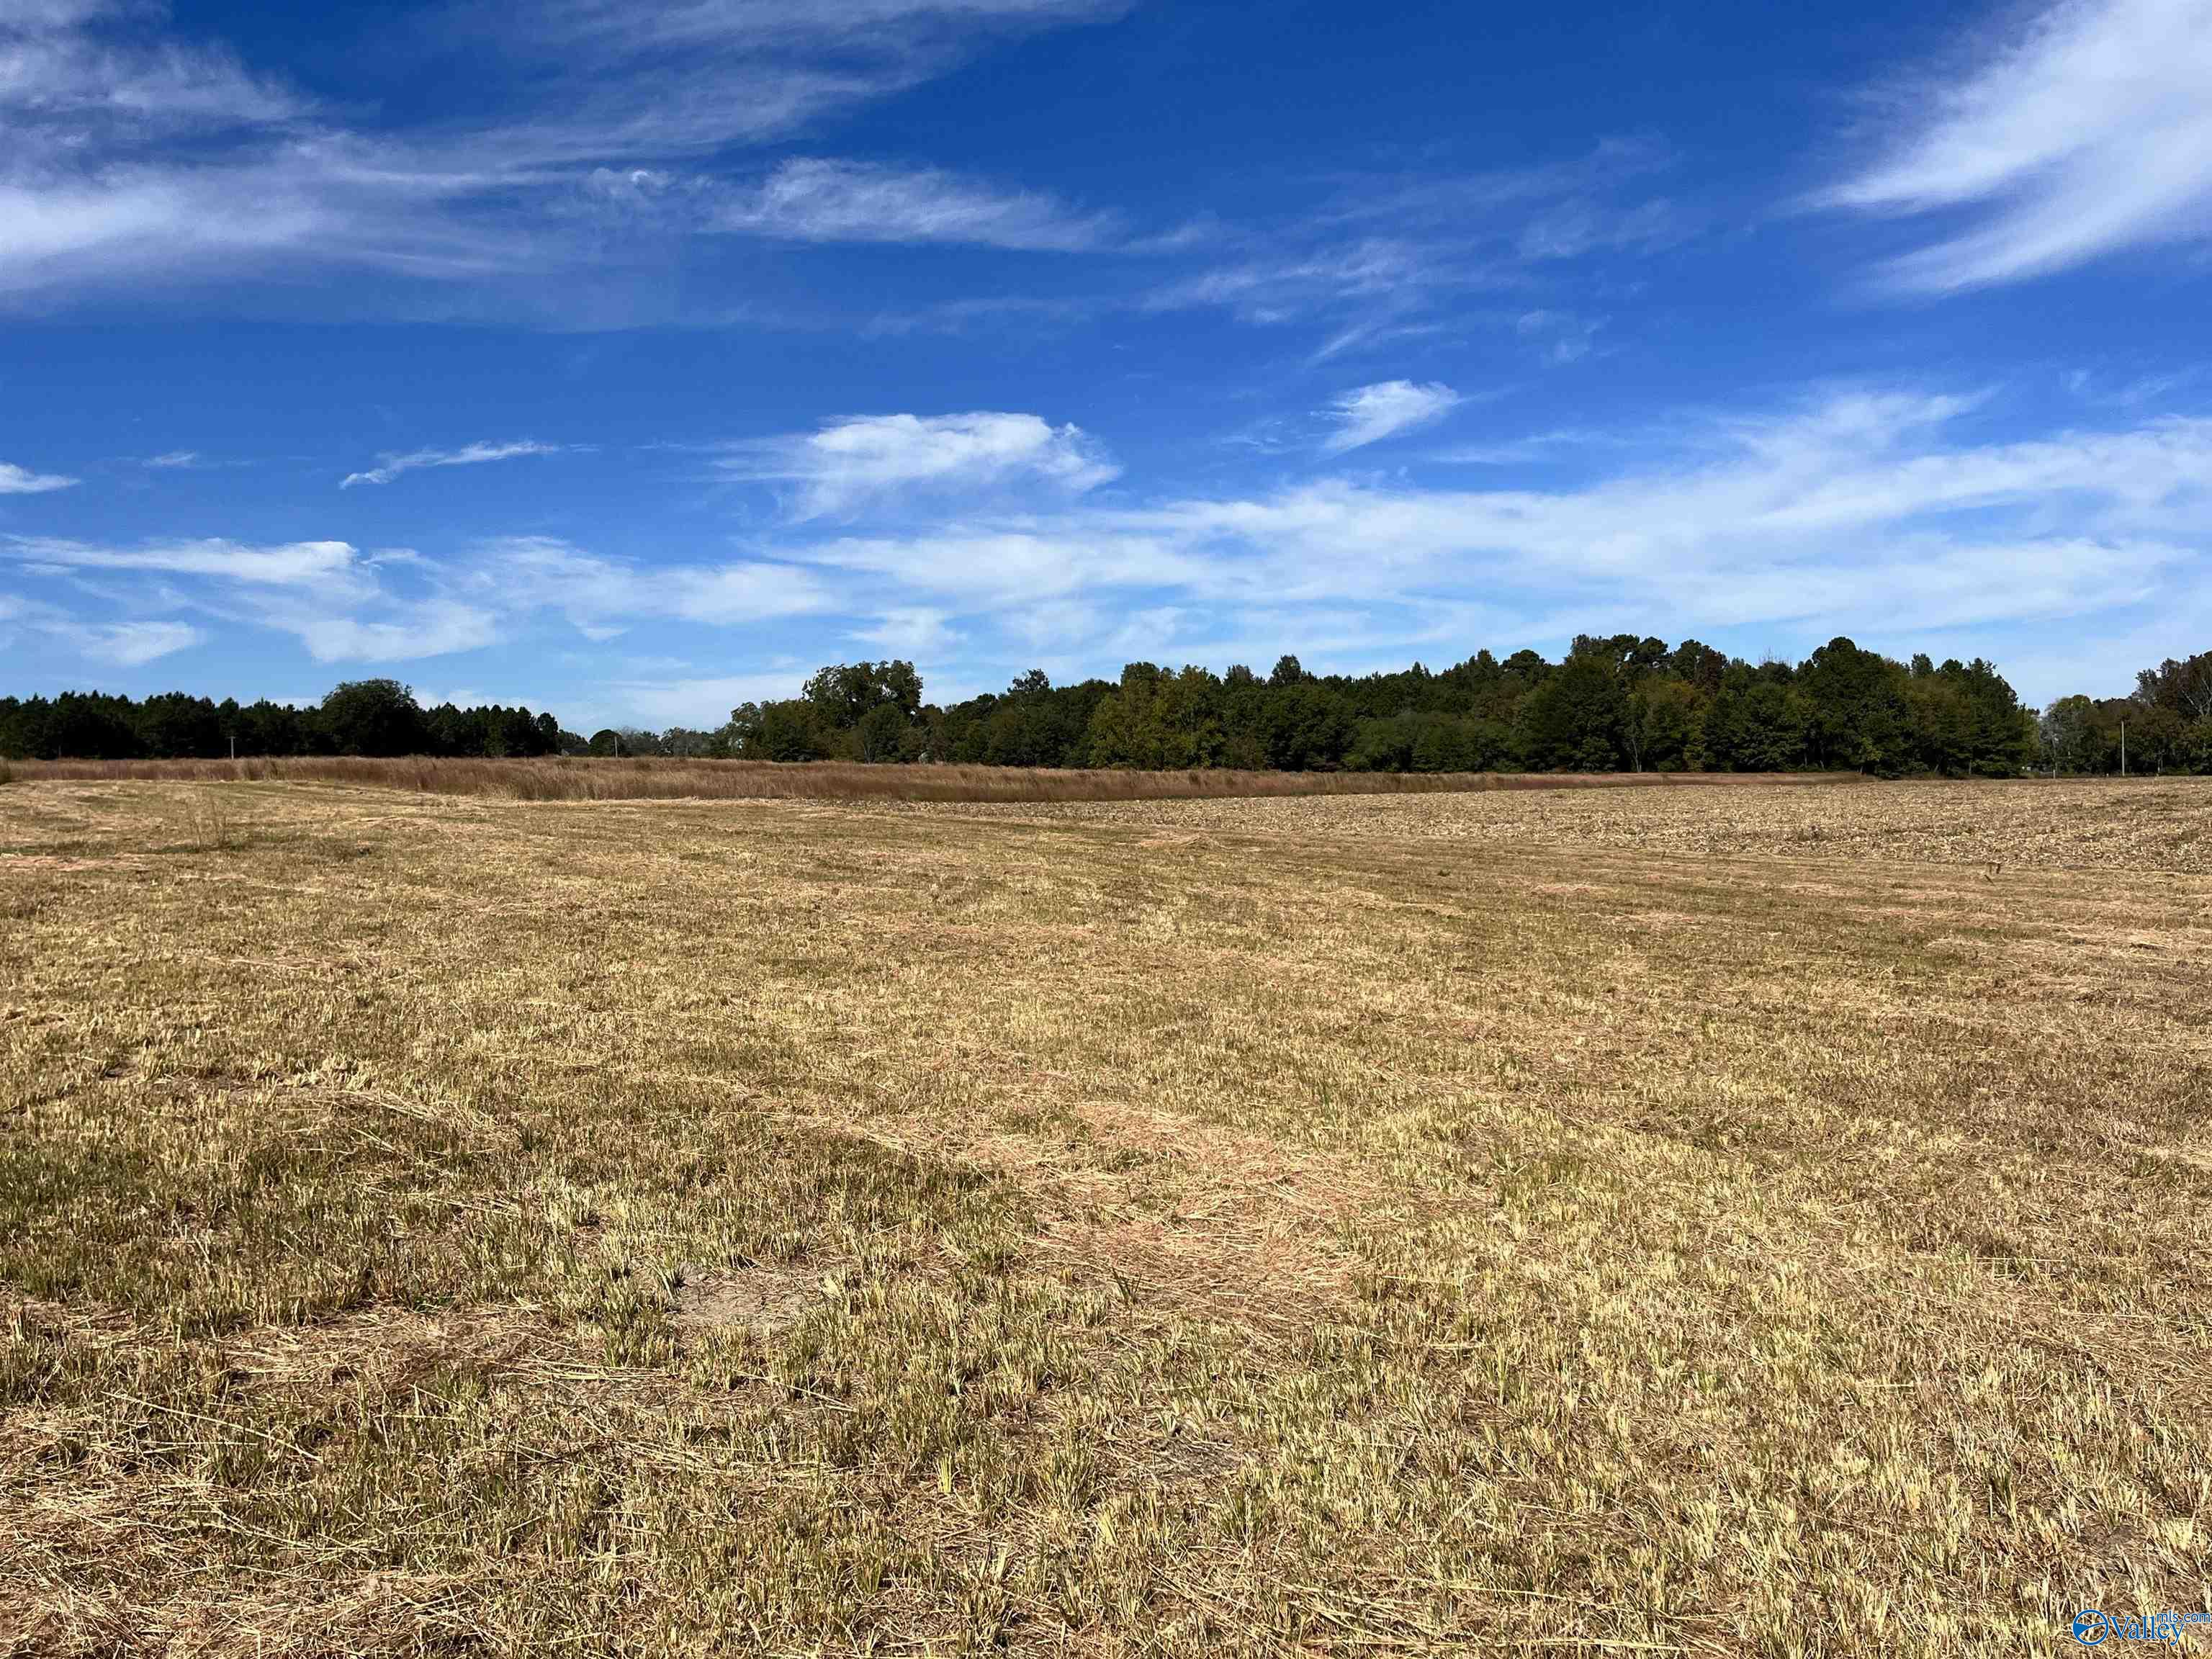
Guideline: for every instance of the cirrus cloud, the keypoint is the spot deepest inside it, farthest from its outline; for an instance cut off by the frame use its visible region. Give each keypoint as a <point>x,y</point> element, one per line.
<point>2089,133</point>
<point>20,481</point>
<point>142,157</point>
<point>814,200</point>
<point>290,564</point>
<point>476,454</point>
<point>1373,413</point>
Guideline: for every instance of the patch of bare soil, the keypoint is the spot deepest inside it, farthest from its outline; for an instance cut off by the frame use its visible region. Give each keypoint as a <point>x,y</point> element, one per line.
<point>763,1297</point>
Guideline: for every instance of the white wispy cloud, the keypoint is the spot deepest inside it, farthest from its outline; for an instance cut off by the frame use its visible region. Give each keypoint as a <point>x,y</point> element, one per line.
<point>1606,188</point>
<point>602,597</point>
<point>126,643</point>
<point>1564,337</point>
<point>2089,132</point>
<point>394,605</point>
<point>435,628</point>
<point>873,25</point>
<point>83,219</point>
<point>1383,257</point>
<point>287,564</point>
<point>139,156</point>
<point>1276,285</point>
<point>1854,510</point>
<point>1373,413</point>
<point>914,631</point>
<point>818,200</point>
<point>476,454</point>
<point>1880,511</point>
<point>595,143</point>
<point>175,460</point>
<point>325,594</point>
<point>60,77</point>
<point>667,77</point>
<point>1569,231</point>
<point>850,463</point>
<point>130,644</point>
<point>19,481</point>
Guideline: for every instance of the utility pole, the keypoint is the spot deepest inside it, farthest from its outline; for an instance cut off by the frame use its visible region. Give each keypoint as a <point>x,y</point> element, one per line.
<point>2124,749</point>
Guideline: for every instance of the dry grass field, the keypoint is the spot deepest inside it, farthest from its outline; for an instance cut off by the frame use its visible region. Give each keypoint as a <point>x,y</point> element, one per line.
<point>642,778</point>
<point>2132,827</point>
<point>1734,1221</point>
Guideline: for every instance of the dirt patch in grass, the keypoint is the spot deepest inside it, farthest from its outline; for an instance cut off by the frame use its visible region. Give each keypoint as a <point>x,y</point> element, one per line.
<point>760,1298</point>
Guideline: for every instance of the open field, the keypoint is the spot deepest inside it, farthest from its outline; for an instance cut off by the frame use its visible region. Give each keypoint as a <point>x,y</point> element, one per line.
<point>643,779</point>
<point>1551,1224</point>
<point>2138,825</point>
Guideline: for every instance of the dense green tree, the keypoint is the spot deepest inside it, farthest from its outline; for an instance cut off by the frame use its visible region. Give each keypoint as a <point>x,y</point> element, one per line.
<point>1573,721</point>
<point>358,718</point>
<point>2001,740</point>
<point>882,735</point>
<point>1305,727</point>
<point>1663,724</point>
<point>686,744</point>
<point>1752,726</point>
<point>2183,686</point>
<point>175,725</point>
<point>374,717</point>
<point>1425,741</point>
<point>2070,737</point>
<point>1698,666</point>
<point>1851,710</point>
<point>844,693</point>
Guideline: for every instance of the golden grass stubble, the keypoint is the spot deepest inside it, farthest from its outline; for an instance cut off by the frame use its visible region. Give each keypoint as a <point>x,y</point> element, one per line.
<point>1673,1252</point>
<point>2107,827</point>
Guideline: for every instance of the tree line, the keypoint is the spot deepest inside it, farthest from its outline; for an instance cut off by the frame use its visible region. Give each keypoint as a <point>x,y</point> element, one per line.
<point>361,717</point>
<point>1613,703</point>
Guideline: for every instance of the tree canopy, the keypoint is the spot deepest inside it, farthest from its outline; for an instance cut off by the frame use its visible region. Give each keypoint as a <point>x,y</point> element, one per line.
<point>1619,702</point>
<point>359,717</point>
<point>1623,702</point>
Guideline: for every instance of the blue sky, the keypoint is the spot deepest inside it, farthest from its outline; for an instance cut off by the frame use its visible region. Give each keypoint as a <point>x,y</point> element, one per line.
<point>633,357</point>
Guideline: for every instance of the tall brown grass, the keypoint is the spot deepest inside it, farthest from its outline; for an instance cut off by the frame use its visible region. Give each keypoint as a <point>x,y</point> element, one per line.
<point>606,778</point>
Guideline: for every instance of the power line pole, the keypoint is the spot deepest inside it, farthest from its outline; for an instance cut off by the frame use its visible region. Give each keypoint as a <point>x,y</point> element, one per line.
<point>2124,749</point>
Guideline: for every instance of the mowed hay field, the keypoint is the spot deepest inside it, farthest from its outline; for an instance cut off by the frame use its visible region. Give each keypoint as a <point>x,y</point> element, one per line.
<point>437,1224</point>
<point>2138,827</point>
